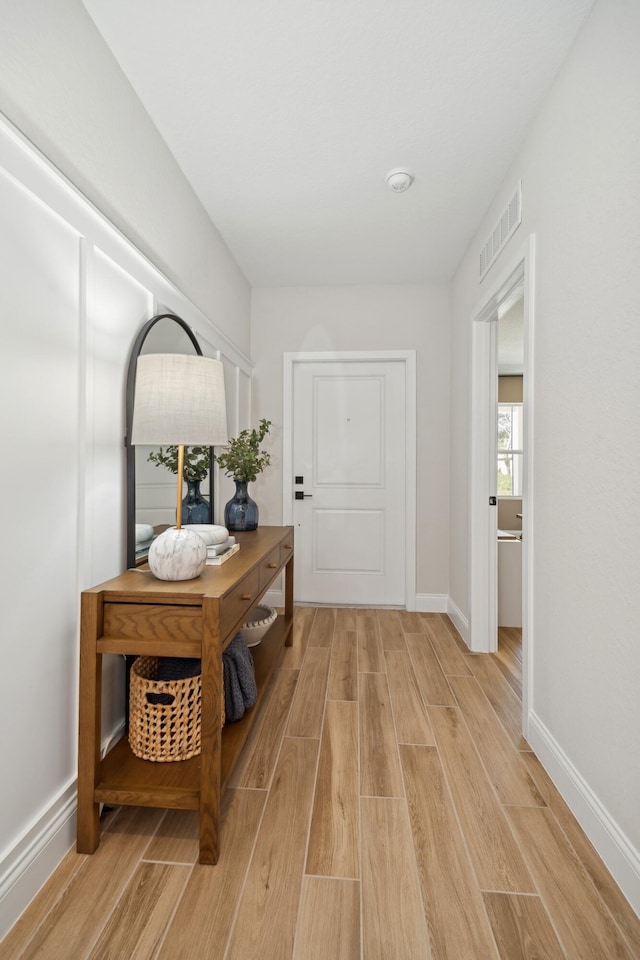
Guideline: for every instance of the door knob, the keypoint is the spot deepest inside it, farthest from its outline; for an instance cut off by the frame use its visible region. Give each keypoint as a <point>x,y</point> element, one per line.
<point>299,495</point>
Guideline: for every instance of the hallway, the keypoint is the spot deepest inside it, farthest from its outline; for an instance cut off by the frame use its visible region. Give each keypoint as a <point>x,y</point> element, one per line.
<point>387,808</point>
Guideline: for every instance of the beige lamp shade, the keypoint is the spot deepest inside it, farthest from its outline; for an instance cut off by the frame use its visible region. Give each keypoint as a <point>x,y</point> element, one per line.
<point>179,400</point>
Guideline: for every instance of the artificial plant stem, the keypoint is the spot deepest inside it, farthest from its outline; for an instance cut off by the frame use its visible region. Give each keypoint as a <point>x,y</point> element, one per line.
<point>180,478</point>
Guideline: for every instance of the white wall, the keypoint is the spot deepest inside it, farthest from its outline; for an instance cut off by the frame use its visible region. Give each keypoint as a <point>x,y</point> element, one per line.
<point>74,294</point>
<point>294,319</point>
<point>61,86</point>
<point>581,199</point>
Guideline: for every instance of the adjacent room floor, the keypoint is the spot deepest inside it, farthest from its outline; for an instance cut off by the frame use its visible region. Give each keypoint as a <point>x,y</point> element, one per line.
<point>386,808</point>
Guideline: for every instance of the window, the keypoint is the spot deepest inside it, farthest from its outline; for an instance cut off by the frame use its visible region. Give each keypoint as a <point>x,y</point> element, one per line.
<point>510,449</point>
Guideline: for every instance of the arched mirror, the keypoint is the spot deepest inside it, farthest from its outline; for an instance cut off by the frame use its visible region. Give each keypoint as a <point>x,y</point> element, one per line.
<point>151,489</point>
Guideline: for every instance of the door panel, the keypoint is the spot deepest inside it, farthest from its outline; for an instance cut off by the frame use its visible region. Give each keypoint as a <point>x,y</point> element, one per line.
<point>360,534</point>
<point>349,447</point>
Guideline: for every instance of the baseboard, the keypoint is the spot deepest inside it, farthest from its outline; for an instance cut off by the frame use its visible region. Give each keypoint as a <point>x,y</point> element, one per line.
<point>29,863</point>
<point>431,603</point>
<point>274,598</point>
<point>614,847</point>
<point>424,603</point>
<point>460,622</point>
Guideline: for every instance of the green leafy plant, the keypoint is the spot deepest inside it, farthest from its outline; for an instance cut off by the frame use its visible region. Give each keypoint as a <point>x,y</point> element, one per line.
<point>196,461</point>
<point>243,459</point>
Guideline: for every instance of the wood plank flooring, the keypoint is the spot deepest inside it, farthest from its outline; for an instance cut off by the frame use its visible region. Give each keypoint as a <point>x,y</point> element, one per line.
<point>386,807</point>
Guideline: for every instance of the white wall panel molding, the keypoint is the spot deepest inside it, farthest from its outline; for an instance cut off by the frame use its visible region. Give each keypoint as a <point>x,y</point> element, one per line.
<point>76,292</point>
<point>32,171</point>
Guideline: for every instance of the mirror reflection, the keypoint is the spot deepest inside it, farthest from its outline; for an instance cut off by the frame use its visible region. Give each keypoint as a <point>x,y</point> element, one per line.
<point>151,483</point>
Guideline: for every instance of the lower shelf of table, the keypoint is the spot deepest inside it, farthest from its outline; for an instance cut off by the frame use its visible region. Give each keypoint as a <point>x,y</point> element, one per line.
<point>125,779</point>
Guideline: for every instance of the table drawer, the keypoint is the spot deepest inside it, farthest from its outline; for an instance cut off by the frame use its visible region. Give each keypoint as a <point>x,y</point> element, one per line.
<point>147,621</point>
<point>238,602</point>
<point>286,549</point>
<point>269,567</point>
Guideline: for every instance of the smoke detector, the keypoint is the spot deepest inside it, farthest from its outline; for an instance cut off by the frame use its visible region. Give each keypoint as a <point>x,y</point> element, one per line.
<point>399,180</point>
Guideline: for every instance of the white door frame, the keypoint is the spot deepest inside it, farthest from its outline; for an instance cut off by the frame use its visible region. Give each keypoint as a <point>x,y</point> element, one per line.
<point>408,357</point>
<point>517,274</point>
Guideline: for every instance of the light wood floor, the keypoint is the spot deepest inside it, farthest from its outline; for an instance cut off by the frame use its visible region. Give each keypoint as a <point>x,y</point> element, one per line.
<point>386,808</point>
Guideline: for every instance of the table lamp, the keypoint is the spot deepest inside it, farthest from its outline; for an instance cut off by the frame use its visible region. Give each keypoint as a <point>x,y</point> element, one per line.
<point>179,400</point>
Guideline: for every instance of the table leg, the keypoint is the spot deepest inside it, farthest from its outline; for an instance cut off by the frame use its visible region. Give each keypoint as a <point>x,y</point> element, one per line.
<point>89,732</point>
<point>288,597</point>
<point>211,733</point>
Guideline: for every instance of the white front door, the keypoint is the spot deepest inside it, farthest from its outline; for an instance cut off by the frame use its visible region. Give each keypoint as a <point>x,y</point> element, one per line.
<point>349,474</point>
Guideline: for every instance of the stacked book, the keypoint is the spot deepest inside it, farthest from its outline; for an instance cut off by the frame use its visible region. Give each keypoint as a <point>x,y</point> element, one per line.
<point>220,552</point>
<point>220,546</point>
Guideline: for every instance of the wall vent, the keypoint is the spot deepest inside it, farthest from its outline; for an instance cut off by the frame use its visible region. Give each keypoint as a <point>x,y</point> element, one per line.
<point>507,224</point>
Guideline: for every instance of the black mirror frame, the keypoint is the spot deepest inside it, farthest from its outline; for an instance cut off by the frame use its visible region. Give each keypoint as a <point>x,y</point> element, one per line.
<point>130,449</point>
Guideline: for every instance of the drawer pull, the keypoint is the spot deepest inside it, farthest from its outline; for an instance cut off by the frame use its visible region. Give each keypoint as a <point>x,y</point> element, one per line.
<point>245,596</point>
<point>272,566</point>
<point>288,546</point>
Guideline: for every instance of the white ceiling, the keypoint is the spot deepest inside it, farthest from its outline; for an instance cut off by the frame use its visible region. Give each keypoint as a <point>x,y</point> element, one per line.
<point>286,115</point>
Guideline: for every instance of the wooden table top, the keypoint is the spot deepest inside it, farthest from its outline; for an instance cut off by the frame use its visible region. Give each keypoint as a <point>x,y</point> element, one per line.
<point>214,581</point>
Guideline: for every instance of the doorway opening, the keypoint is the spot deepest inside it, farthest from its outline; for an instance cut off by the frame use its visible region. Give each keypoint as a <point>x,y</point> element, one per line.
<point>511,286</point>
<point>509,487</point>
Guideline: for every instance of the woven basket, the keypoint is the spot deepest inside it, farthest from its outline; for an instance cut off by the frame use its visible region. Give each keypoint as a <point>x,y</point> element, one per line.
<point>169,729</point>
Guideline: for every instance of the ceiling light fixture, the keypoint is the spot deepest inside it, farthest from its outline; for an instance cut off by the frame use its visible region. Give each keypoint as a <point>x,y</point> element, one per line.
<point>399,179</point>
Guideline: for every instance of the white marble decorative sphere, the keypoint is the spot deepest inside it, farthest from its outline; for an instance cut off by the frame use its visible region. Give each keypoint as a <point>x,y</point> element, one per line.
<point>177,555</point>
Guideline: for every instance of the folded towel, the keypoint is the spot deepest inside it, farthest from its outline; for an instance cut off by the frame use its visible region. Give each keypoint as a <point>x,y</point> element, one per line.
<point>240,691</point>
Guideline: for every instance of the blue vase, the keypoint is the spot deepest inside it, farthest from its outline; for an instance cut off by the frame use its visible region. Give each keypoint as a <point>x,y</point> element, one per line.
<point>195,509</point>
<point>241,512</point>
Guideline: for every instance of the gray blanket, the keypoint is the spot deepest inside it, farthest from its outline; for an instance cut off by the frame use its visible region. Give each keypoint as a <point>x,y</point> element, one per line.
<point>240,690</point>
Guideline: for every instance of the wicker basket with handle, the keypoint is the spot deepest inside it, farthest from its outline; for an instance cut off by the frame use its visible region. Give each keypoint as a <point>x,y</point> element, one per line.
<point>164,715</point>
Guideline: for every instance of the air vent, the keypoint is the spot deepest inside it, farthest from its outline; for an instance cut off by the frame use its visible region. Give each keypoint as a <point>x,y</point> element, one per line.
<point>504,228</point>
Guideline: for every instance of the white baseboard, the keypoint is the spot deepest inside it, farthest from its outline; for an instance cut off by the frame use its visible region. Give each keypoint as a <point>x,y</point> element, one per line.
<point>431,602</point>
<point>30,862</point>
<point>614,847</point>
<point>460,622</point>
<point>274,598</point>
<point>424,603</point>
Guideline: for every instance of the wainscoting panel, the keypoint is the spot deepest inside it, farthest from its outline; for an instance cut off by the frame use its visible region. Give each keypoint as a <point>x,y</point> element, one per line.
<point>75,292</point>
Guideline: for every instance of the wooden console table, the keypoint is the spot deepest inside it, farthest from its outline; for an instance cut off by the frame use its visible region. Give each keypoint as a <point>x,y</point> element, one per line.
<point>137,614</point>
